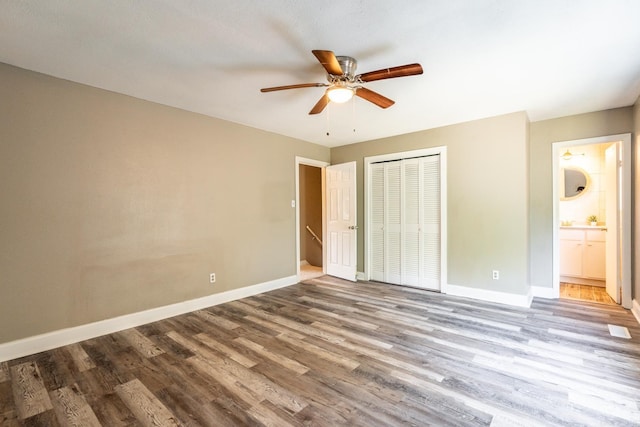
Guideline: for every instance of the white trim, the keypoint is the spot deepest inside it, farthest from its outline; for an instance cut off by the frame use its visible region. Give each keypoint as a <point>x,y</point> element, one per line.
<point>319,164</point>
<point>491,296</point>
<point>360,275</point>
<point>627,209</point>
<point>636,310</point>
<point>625,140</point>
<point>405,154</point>
<point>442,152</point>
<point>444,218</point>
<point>544,292</point>
<point>50,340</point>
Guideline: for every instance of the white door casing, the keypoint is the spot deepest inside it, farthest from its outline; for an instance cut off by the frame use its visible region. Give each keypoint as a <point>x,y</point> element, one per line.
<point>341,243</point>
<point>315,163</point>
<point>612,184</point>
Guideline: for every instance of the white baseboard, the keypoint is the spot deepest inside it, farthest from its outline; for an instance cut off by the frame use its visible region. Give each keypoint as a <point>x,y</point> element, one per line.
<point>492,296</point>
<point>581,281</point>
<point>635,309</point>
<point>360,275</point>
<point>50,340</point>
<point>544,292</point>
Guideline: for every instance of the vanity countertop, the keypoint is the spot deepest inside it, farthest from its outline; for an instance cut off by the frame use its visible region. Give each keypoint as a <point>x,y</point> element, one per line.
<point>583,227</point>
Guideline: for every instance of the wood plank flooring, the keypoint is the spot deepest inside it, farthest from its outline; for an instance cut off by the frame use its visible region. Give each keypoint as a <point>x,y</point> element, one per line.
<point>585,293</point>
<point>329,352</point>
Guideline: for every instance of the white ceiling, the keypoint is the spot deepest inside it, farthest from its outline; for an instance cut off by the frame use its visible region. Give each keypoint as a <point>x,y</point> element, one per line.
<point>481,57</point>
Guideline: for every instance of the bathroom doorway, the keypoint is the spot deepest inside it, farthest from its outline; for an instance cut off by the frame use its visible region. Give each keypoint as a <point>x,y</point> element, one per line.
<point>591,209</point>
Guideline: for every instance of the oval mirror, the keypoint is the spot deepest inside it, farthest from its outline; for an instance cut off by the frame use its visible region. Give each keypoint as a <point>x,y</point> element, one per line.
<point>574,182</point>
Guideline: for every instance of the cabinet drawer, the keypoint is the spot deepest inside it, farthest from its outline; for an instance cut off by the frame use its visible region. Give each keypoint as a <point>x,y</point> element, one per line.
<point>571,234</point>
<point>596,235</point>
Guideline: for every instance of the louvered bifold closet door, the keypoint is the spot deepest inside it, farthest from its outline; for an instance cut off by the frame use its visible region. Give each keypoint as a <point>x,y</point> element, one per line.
<point>393,223</point>
<point>411,221</point>
<point>405,222</point>
<point>431,234</point>
<point>377,222</point>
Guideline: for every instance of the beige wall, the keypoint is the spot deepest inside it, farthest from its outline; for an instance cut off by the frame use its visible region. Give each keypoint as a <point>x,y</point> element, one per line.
<point>112,205</point>
<point>487,197</point>
<point>543,135</point>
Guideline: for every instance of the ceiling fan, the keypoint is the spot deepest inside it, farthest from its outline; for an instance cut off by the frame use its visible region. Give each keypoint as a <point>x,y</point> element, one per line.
<point>343,83</point>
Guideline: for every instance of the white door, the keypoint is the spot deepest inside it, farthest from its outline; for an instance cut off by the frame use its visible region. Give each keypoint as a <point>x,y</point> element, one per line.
<point>431,223</point>
<point>405,222</point>
<point>411,223</point>
<point>393,223</point>
<point>377,221</point>
<point>612,164</point>
<point>340,187</point>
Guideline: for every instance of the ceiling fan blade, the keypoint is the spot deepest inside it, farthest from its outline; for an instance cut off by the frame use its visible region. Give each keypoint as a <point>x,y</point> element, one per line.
<point>329,62</point>
<point>389,73</point>
<point>320,105</point>
<point>298,86</point>
<point>376,98</point>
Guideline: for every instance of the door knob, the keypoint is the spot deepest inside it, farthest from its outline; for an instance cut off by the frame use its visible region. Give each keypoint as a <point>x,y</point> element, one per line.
<point>353,227</point>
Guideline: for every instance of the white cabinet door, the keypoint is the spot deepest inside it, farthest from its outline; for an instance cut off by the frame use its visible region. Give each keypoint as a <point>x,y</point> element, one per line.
<point>571,257</point>
<point>340,187</point>
<point>594,260</point>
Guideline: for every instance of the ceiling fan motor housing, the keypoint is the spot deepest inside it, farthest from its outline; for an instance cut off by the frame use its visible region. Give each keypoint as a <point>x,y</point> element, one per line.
<point>348,65</point>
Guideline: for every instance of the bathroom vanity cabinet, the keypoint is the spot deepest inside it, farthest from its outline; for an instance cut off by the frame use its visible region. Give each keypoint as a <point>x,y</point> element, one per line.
<point>583,252</point>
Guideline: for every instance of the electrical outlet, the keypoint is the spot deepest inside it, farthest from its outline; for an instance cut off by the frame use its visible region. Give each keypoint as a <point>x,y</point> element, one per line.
<point>496,274</point>
<point>212,278</point>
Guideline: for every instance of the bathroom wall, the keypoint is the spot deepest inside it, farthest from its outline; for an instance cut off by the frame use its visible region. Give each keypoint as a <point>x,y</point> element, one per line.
<point>592,201</point>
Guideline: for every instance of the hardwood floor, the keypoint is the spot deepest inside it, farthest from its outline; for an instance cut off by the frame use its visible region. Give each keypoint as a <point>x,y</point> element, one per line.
<point>308,272</point>
<point>585,293</point>
<point>330,352</point>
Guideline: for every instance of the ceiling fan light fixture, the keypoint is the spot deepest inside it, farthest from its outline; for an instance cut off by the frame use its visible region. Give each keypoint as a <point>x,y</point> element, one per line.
<point>340,94</point>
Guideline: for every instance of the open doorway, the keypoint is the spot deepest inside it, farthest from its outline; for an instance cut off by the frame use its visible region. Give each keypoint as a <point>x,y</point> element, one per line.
<point>309,218</point>
<point>592,219</point>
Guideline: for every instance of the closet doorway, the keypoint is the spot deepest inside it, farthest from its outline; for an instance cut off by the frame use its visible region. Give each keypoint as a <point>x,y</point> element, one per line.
<point>405,199</point>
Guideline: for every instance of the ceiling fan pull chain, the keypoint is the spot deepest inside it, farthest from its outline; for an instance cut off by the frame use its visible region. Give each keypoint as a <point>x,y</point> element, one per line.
<point>327,121</point>
<point>353,114</point>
